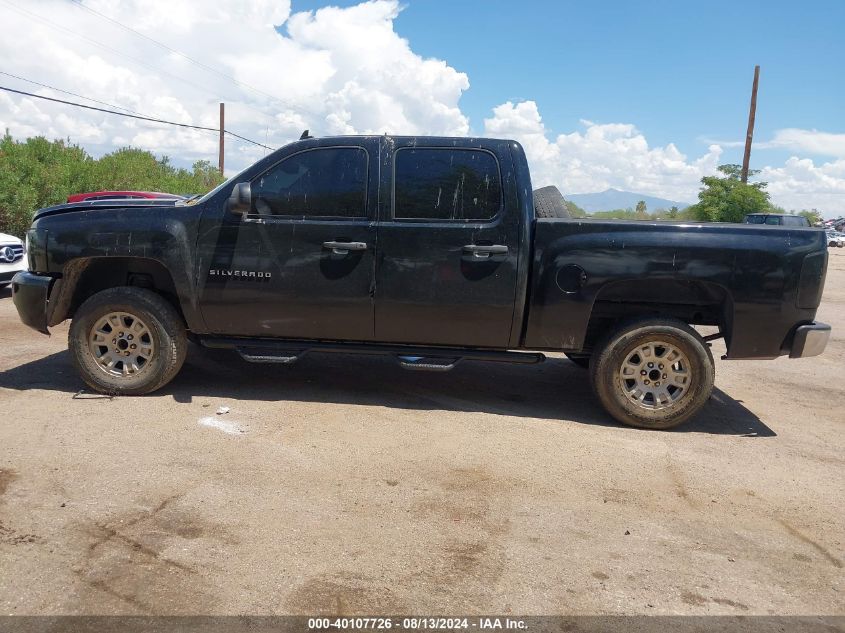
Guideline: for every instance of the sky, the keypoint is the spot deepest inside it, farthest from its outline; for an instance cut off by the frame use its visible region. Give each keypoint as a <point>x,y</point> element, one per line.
<point>640,96</point>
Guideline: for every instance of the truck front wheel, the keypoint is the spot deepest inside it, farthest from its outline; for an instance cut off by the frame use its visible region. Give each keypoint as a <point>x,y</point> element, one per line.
<point>127,341</point>
<point>653,374</point>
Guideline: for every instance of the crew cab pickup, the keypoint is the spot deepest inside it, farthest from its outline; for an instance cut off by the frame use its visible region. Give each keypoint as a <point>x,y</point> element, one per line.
<point>433,250</point>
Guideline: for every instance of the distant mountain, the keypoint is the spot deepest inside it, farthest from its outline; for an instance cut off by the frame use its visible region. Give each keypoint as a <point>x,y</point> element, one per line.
<point>616,199</point>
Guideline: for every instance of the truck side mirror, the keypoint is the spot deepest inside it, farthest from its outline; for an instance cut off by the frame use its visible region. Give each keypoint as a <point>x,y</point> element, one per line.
<point>240,200</point>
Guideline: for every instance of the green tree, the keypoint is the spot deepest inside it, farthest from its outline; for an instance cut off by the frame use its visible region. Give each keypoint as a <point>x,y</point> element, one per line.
<point>575,211</point>
<point>642,210</point>
<point>38,173</point>
<point>673,213</point>
<point>727,199</point>
<point>813,216</point>
<point>34,174</point>
<point>616,214</point>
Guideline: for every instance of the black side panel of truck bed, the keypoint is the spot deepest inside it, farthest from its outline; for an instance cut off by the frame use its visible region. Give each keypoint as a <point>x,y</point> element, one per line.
<point>756,272</point>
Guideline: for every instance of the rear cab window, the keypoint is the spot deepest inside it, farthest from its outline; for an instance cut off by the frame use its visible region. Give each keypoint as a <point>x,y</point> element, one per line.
<point>446,184</point>
<point>796,220</point>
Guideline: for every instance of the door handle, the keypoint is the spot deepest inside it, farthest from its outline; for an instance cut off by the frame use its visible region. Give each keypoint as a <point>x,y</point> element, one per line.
<point>483,251</point>
<point>343,248</point>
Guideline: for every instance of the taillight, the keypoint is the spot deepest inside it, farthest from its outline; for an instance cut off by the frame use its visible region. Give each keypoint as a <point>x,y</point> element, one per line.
<point>811,282</point>
<point>36,250</point>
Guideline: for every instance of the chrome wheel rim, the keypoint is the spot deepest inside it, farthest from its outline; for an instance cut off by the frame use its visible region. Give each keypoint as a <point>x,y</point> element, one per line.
<point>122,344</point>
<point>655,376</point>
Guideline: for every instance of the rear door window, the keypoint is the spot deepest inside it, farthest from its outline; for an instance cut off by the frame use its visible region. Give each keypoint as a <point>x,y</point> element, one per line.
<point>446,184</point>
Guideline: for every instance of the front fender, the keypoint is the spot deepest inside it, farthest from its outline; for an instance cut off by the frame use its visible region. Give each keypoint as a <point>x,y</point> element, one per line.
<point>163,236</point>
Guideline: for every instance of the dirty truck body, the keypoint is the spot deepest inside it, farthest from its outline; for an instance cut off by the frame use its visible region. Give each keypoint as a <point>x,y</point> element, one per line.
<point>425,248</point>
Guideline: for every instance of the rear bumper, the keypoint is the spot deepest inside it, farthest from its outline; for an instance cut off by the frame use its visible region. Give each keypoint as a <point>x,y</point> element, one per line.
<point>30,294</point>
<point>809,340</point>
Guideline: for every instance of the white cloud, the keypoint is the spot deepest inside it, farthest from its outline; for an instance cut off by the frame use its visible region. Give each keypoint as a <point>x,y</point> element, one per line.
<point>796,139</point>
<point>617,155</point>
<point>801,184</point>
<point>600,156</point>
<point>335,70</point>
<point>380,84</point>
<point>810,141</point>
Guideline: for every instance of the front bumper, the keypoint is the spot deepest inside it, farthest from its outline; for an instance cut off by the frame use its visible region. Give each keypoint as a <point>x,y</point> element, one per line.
<point>809,340</point>
<point>30,293</point>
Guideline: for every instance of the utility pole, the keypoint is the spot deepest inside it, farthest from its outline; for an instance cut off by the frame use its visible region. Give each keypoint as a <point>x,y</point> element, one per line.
<point>222,134</point>
<point>750,133</point>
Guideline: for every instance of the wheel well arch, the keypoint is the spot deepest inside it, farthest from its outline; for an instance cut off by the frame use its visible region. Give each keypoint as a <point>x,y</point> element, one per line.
<point>86,276</point>
<point>694,302</point>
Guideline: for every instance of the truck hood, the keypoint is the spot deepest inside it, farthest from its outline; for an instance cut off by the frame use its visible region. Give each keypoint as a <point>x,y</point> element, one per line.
<point>98,205</point>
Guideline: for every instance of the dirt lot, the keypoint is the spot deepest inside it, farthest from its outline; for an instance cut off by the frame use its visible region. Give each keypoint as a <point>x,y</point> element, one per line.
<point>346,485</point>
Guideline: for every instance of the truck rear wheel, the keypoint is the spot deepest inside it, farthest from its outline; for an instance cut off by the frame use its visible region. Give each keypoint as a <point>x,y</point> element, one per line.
<point>127,341</point>
<point>653,374</point>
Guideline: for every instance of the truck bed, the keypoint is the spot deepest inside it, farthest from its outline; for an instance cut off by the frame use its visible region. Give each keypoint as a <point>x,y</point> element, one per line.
<point>756,282</point>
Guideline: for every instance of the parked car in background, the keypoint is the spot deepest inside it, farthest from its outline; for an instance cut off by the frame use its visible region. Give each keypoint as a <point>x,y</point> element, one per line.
<point>120,195</point>
<point>835,239</point>
<point>835,224</point>
<point>12,258</point>
<point>777,219</point>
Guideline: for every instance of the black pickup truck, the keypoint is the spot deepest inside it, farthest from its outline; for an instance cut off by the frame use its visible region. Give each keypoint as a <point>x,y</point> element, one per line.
<point>433,250</point>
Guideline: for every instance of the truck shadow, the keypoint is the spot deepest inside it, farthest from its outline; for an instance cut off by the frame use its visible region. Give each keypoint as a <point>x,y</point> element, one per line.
<point>554,390</point>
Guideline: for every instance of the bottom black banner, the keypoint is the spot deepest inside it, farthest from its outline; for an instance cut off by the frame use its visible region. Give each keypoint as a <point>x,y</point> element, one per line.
<point>283,624</point>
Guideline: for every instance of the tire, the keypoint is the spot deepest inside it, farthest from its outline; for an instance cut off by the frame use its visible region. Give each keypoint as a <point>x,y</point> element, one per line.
<point>617,366</point>
<point>549,203</point>
<point>122,314</point>
<point>582,360</point>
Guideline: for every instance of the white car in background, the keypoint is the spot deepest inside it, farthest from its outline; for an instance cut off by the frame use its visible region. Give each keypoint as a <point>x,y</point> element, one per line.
<point>834,238</point>
<point>12,258</point>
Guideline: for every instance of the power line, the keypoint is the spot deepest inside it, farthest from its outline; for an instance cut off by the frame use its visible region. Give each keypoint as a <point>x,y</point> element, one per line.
<point>67,92</point>
<point>48,86</point>
<point>175,51</point>
<point>77,36</point>
<point>134,116</point>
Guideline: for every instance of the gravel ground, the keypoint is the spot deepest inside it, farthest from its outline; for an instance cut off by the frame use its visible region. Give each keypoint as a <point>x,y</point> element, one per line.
<point>345,485</point>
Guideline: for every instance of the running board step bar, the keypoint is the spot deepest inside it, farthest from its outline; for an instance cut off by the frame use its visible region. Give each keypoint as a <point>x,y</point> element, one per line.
<point>424,363</point>
<point>258,355</point>
<point>285,352</point>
